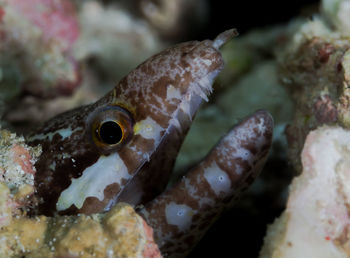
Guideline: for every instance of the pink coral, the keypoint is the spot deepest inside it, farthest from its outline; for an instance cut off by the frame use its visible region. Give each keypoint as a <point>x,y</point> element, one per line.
<point>151,248</point>
<point>36,46</point>
<point>57,19</point>
<point>2,12</point>
<point>22,157</point>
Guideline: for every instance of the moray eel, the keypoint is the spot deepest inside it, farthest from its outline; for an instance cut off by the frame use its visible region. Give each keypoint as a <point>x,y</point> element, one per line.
<point>122,149</point>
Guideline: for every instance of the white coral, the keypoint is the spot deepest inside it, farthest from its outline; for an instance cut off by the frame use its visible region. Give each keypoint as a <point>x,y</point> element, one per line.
<point>316,220</point>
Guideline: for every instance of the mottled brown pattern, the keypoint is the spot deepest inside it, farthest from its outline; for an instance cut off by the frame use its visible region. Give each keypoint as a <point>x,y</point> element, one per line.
<point>92,203</point>
<point>254,134</point>
<point>208,188</point>
<point>132,159</point>
<point>189,67</point>
<point>49,183</point>
<point>158,169</point>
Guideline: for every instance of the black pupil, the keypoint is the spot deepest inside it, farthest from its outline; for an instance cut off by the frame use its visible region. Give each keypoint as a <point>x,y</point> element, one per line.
<point>110,132</point>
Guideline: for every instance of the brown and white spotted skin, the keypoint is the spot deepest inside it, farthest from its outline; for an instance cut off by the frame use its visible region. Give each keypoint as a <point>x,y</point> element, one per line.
<point>85,169</point>
<point>181,215</point>
<point>123,147</point>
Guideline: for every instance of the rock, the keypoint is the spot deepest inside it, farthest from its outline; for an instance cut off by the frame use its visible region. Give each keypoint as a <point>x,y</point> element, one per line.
<point>113,40</point>
<point>17,169</point>
<point>36,42</point>
<point>106,41</point>
<point>175,19</point>
<point>118,233</point>
<point>315,69</point>
<point>316,220</point>
<point>337,14</point>
<point>121,232</point>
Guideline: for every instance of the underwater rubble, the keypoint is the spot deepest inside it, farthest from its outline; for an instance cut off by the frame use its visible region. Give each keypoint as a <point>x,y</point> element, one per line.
<point>121,232</point>
<point>66,56</point>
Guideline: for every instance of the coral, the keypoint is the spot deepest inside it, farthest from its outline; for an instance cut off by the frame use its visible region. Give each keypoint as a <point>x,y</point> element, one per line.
<point>99,38</point>
<point>36,41</point>
<point>174,19</point>
<point>316,220</point>
<point>314,67</point>
<point>5,206</point>
<point>336,12</point>
<point>17,160</point>
<point>111,38</point>
<point>120,232</point>
<point>17,174</point>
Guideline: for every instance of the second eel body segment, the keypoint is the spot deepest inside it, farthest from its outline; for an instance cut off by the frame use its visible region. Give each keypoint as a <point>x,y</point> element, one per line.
<point>123,147</point>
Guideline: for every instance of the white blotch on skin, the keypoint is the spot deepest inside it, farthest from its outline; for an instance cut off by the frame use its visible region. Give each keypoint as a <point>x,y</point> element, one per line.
<point>172,93</point>
<point>217,179</point>
<point>261,126</point>
<point>243,153</point>
<point>179,215</point>
<point>106,171</point>
<point>64,132</point>
<point>207,62</point>
<point>148,129</point>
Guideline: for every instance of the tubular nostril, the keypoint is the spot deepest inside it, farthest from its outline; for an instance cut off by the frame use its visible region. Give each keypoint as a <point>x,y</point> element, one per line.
<point>224,37</point>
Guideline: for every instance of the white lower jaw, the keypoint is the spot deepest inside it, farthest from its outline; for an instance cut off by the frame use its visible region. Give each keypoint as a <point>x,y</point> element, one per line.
<point>94,180</point>
<point>111,169</point>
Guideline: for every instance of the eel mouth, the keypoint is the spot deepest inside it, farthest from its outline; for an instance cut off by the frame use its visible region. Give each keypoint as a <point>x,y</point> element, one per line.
<point>202,87</point>
<point>204,62</point>
<point>181,121</point>
<point>198,90</point>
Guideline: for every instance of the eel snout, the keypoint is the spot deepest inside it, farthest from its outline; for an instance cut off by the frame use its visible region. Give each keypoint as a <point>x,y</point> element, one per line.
<point>184,78</point>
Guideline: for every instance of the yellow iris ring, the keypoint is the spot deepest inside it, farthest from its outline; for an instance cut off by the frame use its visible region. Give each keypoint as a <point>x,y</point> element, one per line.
<point>113,114</point>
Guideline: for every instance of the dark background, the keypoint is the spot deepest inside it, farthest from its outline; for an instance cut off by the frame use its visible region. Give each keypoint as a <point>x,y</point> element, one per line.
<point>247,15</point>
<point>240,231</point>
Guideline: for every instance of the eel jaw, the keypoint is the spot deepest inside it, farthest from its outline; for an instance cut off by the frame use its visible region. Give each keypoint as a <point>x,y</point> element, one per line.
<point>187,68</point>
<point>136,191</point>
<point>158,166</point>
<point>182,214</point>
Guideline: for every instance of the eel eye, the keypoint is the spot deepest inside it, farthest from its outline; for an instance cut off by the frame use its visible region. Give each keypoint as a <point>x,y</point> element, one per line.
<point>111,132</point>
<point>111,127</point>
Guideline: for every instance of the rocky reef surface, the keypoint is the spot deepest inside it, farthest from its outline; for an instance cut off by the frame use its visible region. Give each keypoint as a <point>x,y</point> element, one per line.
<point>121,232</point>
<point>315,69</point>
<point>315,222</point>
<point>102,37</point>
<point>66,55</point>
